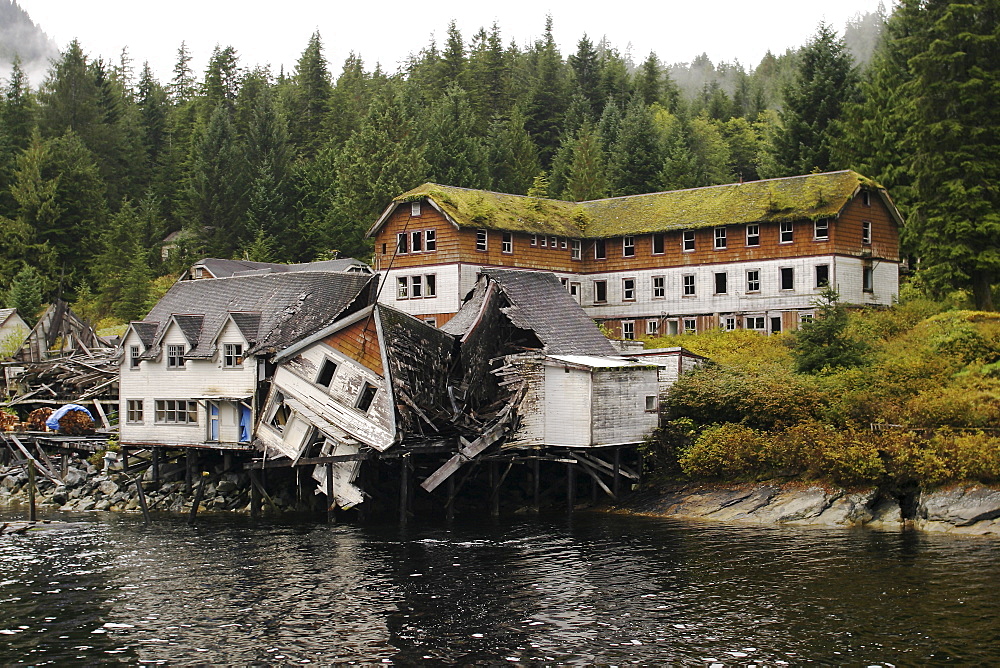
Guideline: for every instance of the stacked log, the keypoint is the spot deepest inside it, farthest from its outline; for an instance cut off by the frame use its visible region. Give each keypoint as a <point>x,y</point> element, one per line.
<point>75,378</point>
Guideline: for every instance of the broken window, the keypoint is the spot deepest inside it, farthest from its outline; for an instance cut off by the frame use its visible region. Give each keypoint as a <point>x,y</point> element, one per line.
<point>175,357</point>
<point>688,285</point>
<point>600,250</point>
<point>866,198</point>
<point>416,287</point>
<point>690,326</point>
<point>785,233</point>
<point>652,327</point>
<point>402,288</point>
<point>279,412</point>
<point>687,242</point>
<point>868,279</point>
<point>628,247</point>
<point>314,446</point>
<point>326,371</point>
<point>416,241</point>
<point>576,252</point>
<point>822,275</point>
<point>481,240</point>
<point>866,232</point>
<point>786,277</point>
<point>134,411</point>
<point>753,235</point>
<point>133,357</point>
<point>430,240</point>
<point>720,283</point>
<point>659,287</point>
<point>628,289</point>
<point>628,330</point>
<point>600,291</point>
<point>507,243</point>
<point>366,397</point>
<point>720,237</point>
<point>430,285</point>
<point>232,355</point>
<point>401,243</point>
<point>658,244</point>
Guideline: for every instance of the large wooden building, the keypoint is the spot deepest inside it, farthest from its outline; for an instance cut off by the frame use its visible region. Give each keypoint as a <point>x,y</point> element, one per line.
<point>749,255</point>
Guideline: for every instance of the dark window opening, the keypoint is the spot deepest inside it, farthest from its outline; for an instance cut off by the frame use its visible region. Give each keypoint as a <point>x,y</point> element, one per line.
<point>326,372</point>
<point>366,397</point>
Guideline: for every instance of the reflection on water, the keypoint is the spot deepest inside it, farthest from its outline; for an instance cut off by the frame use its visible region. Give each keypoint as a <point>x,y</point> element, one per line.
<point>586,589</point>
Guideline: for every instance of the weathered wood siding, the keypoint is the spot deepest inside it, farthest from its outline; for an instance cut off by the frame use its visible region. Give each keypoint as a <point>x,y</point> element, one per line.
<point>619,414</point>
<point>568,409</point>
<point>358,342</point>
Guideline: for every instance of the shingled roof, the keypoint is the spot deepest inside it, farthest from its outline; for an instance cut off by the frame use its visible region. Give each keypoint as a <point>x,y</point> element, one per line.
<point>536,302</point>
<point>809,197</point>
<point>272,310</point>
<point>222,268</point>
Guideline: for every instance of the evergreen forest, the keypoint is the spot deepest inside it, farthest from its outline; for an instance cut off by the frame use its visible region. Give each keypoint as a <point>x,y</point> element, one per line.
<point>111,180</point>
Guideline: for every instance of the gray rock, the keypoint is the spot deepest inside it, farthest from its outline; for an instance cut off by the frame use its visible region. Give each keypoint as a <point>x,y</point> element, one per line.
<point>60,495</point>
<point>960,506</point>
<point>74,478</point>
<point>86,504</point>
<point>108,488</point>
<point>103,504</point>
<point>226,486</point>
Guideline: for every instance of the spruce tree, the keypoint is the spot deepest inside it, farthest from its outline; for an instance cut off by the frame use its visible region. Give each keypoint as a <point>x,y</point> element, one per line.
<point>824,82</point>
<point>455,155</point>
<point>512,156</point>
<point>546,99</point>
<point>636,154</point>
<point>310,98</point>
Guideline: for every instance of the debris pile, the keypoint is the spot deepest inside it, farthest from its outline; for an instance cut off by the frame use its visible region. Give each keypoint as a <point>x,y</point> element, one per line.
<point>78,377</point>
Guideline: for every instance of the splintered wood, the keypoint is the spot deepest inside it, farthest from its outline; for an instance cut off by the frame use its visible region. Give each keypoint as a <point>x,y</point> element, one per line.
<point>75,378</point>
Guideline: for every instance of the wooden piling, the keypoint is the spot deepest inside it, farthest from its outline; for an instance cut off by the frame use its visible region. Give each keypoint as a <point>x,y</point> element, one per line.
<point>404,488</point>
<point>64,464</point>
<point>31,490</point>
<point>331,504</point>
<point>536,484</point>
<point>616,483</point>
<point>199,495</point>
<point>255,495</point>
<point>156,466</point>
<point>188,471</point>
<point>570,487</point>
<point>142,498</point>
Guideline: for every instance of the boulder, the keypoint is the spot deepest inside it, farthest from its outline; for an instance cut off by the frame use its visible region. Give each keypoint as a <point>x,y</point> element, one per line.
<point>103,504</point>
<point>74,478</point>
<point>108,488</point>
<point>85,504</point>
<point>226,486</point>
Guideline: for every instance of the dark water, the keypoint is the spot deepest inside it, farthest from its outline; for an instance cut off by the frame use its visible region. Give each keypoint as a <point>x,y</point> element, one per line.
<point>581,590</point>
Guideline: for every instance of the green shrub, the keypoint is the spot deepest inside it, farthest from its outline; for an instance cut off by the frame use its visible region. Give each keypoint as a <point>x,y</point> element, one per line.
<point>724,450</point>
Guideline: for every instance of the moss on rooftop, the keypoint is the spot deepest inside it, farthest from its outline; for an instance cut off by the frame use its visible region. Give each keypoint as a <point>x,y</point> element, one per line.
<point>809,197</point>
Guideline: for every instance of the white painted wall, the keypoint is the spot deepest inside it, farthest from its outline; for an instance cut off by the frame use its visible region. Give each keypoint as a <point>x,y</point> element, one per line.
<point>567,406</point>
<point>199,378</point>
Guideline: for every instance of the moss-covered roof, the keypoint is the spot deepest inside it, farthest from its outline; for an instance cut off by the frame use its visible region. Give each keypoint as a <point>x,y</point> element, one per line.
<point>809,197</point>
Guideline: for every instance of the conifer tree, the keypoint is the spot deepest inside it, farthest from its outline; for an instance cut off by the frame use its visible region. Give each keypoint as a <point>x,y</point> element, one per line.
<point>182,85</point>
<point>587,177</point>
<point>636,154</point>
<point>26,294</point>
<point>311,98</point>
<point>546,100</point>
<point>487,75</point>
<point>455,155</point>
<point>512,156</point>
<point>586,66</point>
<point>824,81</point>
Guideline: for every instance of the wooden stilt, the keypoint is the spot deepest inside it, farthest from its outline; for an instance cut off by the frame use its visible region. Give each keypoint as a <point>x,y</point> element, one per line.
<point>199,495</point>
<point>364,508</point>
<point>156,466</point>
<point>494,491</point>
<point>331,504</point>
<point>188,471</point>
<point>124,459</point>
<point>616,484</point>
<point>255,495</point>
<point>31,490</point>
<point>449,509</point>
<point>536,484</point>
<point>64,464</point>
<point>404,488</point>
<point>142,498</point>
<point>570,487</point>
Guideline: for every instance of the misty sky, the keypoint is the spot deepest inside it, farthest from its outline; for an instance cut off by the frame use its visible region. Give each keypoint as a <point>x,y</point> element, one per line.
<point>383,31</point>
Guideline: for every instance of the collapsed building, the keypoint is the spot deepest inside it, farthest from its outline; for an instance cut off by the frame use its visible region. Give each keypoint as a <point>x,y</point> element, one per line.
<point>306,371</point>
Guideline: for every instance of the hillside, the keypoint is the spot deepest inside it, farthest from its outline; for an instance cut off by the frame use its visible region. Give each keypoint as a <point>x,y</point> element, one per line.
<point>19,36</point>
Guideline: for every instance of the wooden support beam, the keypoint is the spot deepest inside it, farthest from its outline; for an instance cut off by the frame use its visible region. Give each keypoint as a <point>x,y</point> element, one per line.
<point>595,476</point>
<point>44,457</point>
<point>100,411</point>
<point>142,498</point>
<point>31,490</point>
<point>255,498</point>
<point>449,508</point>
<point>48,474</point>
<point>616,481</point>
<point>156,465</point>
<point>188,471</point>
<point>331,503</point>
<point>536,485</point>
<point>570,487</point>
<point>199,495</point>
<point>404,489</point>
<point>494,487</point>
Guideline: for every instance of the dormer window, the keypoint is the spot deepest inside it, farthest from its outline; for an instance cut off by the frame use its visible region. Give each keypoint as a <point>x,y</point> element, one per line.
<point>414,208</point>
<point>866,198</point>
<point>175,357</point>
<point>133,357</point>
<point>232,355</point>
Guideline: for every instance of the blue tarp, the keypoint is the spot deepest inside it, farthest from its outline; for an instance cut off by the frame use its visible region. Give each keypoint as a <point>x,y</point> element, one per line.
<point>53,421</point>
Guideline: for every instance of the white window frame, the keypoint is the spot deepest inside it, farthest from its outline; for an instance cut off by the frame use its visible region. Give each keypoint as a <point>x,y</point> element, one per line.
<point>751,322</point>
<point>690,325</point>
<point>687,241</point>
<point>825,283</point>
<point>628,330</point>
<point>729,323</point>
<point>402,287</point>
<point>602,246</point>
<point>415,209</point>
<point>402,243</point>
<point>659,291</point>
<point>603,283</point>
<point>232,355</point>
<point>866,232</point>
<point>430,286</point>
<point>661,238</point>
<point>786,232</point>
<point>430,241</point>
<point>134,357</point>
<point>720,238</point>
<point>417,241</point>
<point>416,287</point>
<point>482,240</point>
<point>781,278</point>
<point>576,252</point>
<point>753,280</point>
<point>652,327</point>
<point>725,280</point>
<point>366,396</point>
<point>753,235</point>
<point>821,229</point>
<point>507,243</point>
<point>867,278</point>
<point>534,240</point>
<point>327,363</point>
<point>628,246</point>
<point>628,289</point>
<point>688,285</point>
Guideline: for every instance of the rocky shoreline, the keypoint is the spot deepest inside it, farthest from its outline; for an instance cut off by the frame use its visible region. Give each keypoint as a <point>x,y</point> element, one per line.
<point>961,509</point>
<point>87,487</point>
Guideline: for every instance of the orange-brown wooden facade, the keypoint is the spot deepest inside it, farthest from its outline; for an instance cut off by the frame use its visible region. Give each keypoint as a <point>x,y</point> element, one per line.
<point>358,341</point>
